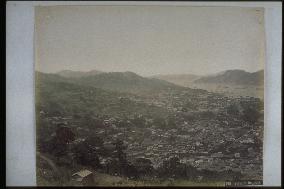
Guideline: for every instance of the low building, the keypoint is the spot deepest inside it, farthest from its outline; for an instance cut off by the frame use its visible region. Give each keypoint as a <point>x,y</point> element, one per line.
<point>84,177</point>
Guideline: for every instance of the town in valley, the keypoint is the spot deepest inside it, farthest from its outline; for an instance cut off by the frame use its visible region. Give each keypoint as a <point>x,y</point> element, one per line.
<point>156,133</point>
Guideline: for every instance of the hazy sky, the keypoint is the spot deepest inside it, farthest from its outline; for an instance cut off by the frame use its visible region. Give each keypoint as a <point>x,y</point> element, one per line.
<point>149,40</point>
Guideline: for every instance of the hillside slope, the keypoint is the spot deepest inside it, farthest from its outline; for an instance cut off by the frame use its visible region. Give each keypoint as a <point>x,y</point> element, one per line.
<point>235,77</point>
<point>126,82</point>
<point>57,95</point>
<point>178,79</point>
<point>77,74</point>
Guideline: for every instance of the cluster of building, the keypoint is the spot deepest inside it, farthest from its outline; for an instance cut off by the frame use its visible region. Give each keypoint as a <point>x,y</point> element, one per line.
<point>220,143</point>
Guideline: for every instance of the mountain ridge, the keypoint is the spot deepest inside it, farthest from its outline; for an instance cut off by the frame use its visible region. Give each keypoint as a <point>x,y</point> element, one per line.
<point>125,82</point>
<point>77,74</point>
<point>233,76</point>
<point>128,82</point>
<point>236,77</point>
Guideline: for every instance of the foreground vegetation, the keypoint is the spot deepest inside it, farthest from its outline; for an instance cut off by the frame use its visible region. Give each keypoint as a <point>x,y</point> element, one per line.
<point>102,179</point>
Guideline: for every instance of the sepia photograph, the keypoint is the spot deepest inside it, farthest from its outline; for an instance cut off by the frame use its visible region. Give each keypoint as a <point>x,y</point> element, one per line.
<point>149,95</point>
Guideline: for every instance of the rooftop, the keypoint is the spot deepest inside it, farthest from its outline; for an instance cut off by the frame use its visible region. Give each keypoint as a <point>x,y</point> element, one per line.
<point>83,173</point>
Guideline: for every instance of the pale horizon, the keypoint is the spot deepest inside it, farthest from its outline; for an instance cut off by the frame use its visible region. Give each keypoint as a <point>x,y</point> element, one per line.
<point>142,75</point>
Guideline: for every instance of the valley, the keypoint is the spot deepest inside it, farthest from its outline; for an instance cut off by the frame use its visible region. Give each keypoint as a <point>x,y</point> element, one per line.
<point>126,125</point>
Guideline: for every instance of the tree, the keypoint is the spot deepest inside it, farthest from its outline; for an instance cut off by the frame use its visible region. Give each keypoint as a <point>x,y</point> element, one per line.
<point>57,148</point>
<point>64,135</point>
<point>131,171</point>
<point>121,155</point>
<point>139,121</point>
<point>173,168</point>
<point>95,144</point>
<point>191,172</point>
<point>250,115</point>
<point>171,122</point>
<point>144,167</point>
<point>94,141</point>
<point>159,122</point>
<point>86,155</point>
<point>207,115</point>
<point>58,144</point>
<point>233,110</point>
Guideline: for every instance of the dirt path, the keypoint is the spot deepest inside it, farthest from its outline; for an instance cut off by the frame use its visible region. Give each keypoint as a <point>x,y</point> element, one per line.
<point>50,163</point>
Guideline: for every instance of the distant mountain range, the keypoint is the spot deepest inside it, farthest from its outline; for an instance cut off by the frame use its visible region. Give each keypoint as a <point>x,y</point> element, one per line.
<point>228,77</point>
<point>125,82</point>
<point>77,74</point>
<point>178,79</point>
<point>101,91</point>
<point>122,80</point>
<point>234,77</point>
<point>230,82</point>
<point>128,82</point>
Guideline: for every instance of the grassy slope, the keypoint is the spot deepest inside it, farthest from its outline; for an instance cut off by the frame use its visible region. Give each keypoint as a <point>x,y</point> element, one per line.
<point>55,93</point>
<point>108,180</point>
<point>102,179</point>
